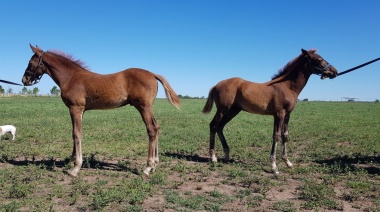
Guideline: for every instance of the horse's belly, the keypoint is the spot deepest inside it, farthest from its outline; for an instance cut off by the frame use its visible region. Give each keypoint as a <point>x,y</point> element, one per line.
<point>255,106</point>
<point>257,109</point>
<point>94,103</point>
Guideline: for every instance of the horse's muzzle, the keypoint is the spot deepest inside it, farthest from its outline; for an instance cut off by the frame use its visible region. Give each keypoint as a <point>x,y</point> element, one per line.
<point>26,81</point>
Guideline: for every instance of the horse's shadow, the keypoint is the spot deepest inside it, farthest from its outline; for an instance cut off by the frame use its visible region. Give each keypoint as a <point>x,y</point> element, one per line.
<point>199,159</point>
<point>369,163</point>
<point>192,158</point>
<point>88,163</point>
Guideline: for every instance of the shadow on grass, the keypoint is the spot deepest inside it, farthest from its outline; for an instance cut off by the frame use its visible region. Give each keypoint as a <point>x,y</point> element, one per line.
<point>193,158</point>
<point>88,163</point>
<point>369,163</point>
<point>197,158</point>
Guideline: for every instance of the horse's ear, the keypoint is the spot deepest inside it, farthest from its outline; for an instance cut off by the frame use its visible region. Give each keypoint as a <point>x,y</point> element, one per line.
<point>306,53</point>
<point>36,50</point>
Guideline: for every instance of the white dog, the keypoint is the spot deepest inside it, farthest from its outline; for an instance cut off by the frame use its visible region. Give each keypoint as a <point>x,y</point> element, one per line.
<point>8,128</point>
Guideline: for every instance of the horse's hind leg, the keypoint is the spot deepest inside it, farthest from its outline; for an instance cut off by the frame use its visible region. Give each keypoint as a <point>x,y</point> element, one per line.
<point>285,134</point>
<point>226,118</point>
<point>152,128</point>
<point>214,124</point>
<point>217,125</point>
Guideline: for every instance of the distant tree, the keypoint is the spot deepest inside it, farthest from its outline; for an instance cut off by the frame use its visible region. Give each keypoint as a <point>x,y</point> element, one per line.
<point>35,91</point>
<point>1,90</point>
<point>24,91</point>
<point>55,91</point>
<point>10,91</point>
<point>305,100</point>
<point>180,96</point>
<point>377,100</point>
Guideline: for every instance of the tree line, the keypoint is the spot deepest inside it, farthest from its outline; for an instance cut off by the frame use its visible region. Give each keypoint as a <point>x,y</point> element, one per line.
<point>25,91</point>
<point>189,97</point>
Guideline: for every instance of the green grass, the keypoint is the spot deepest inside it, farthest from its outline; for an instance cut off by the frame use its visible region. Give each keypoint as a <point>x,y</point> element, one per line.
<point>335,147</point>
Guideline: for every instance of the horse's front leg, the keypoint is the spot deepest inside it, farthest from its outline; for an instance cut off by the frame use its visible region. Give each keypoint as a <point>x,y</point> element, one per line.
<point>76,114</point>
<point>156,158</point>
<point>277,128</point>
<point>285,134</point>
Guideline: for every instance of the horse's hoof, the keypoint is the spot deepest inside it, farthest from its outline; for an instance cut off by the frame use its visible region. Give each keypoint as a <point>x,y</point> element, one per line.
<point>147,171</point>
<point>275,171</point>
<point>72,173</point>
<point>214,159</point>
<point>227,160</point>
<point>290,165</point>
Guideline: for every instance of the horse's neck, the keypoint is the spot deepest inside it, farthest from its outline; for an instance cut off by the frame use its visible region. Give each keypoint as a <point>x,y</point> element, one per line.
<point>295,80</point>
<point>298,80</point>
<point>58,71</point>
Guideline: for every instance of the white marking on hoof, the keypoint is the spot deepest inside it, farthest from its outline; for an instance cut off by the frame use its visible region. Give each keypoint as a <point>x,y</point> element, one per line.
<point>147,171</point>
<point>71,173</point>
<point>289,164</point>
<point>274,169</point>
<point>214,159</point>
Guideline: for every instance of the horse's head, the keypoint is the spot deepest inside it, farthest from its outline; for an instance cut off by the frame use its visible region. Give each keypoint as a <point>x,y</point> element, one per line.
<point>319,66</point>
<point>35,69</point>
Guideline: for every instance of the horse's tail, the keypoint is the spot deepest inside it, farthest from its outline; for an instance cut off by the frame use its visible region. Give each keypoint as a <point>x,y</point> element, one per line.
<point>210,101</point>
<point>170,93</point>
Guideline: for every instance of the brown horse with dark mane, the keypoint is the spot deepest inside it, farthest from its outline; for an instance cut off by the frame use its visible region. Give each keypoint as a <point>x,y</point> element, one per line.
<point>83,90</point>
<point>277,97</point>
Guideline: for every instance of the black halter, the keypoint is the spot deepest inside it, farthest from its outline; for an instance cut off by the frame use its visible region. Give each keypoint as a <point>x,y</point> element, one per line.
<point>36,79</point>
<point>316,70</point>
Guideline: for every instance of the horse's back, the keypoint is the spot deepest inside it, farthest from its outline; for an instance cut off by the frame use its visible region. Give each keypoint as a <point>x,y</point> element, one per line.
<point>124,82</point>
<point>237,92</point>
<point>225,91</point>
<point>97,91</point>
<point>137,74</point>
<point>234,86</point>
<point>139,83</point>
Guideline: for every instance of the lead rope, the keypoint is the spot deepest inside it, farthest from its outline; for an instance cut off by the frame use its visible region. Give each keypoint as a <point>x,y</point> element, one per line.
<point>359,66</point>
<point>8,82</point>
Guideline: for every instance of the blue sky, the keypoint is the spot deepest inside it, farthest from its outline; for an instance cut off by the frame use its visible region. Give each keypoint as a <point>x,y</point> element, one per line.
<point>197,43</point>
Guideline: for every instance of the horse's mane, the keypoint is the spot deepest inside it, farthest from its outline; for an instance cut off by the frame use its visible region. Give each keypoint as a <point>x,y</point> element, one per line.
<point>288,67</point>
<point>69,57</point>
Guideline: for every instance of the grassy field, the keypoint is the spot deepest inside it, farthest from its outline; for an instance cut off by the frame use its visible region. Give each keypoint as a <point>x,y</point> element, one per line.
<point>335,147</point>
